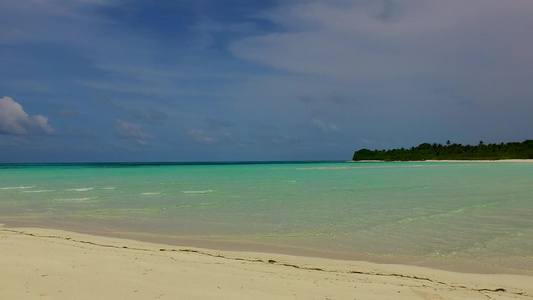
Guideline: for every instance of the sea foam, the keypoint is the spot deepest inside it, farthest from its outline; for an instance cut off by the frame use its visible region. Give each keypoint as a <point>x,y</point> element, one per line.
<point>81,189</point>
<point>75,199</point>
<point>197,192</point>
<point>151,193</point>
<point>38,191</point>
<point>17,187</point>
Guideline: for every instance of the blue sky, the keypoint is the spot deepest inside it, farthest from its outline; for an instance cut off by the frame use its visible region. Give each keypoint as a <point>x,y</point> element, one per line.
<point>206,80</point>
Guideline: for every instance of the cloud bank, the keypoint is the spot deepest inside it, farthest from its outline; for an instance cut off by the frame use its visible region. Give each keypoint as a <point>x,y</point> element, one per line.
<point>14,120</point>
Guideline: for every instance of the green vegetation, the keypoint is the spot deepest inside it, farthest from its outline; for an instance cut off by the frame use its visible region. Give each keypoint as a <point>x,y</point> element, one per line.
<point>450,151</point>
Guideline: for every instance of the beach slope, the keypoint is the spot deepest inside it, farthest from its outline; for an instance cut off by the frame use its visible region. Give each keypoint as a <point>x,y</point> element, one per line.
<point>51,264</point>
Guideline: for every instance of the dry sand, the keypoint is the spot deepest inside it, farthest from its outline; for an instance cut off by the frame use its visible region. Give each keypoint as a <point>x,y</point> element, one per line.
<point>496,160</point>
<point>52,264</point>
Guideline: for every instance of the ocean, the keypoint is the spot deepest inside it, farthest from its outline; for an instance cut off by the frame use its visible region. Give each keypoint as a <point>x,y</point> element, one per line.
<point>466,216</point>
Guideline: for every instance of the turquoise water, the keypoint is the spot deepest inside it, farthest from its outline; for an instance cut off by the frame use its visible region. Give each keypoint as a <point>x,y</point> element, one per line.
<point>429,213</point>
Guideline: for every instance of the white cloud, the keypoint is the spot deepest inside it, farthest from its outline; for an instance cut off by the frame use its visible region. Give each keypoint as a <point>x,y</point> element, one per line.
<point>215,134</point>
<point>129,131</point>
<point>361,40</point>
<point>385,58</point>
<point>14,120</point>
<point>323,126</point>
<point>200,136</point>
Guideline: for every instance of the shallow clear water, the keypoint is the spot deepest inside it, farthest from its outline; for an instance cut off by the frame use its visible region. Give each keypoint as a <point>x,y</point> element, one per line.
<point>447,213</point>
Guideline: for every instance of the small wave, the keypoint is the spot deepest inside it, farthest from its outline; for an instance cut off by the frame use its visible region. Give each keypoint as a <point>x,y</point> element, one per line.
<point>151,194</point>
<point>109,188</point>
<point>38,191</point>
<point>328,168</point>
<point>197,192</point>
<point>80,189</point>
<point>17,187</point>
<point>75,199</point>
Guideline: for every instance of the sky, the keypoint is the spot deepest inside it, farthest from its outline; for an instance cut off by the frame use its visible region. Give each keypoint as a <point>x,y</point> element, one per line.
<point>257,80</point>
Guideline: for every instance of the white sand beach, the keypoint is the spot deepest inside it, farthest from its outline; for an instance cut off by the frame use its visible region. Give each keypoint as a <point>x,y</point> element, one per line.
<point>454,160</point>
<point>482,160</point>
<point>51,264</point>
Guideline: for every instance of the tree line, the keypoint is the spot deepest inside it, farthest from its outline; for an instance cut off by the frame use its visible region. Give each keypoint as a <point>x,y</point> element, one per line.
<point>449,151</point>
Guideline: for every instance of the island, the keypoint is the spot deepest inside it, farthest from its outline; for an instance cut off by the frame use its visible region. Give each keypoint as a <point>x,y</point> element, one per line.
<point>449,151</point>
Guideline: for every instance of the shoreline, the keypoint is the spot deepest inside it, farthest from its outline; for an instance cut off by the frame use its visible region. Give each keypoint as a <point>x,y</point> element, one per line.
<point>58,264</point>
<point>446,160</point>
<point>213,244</point>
